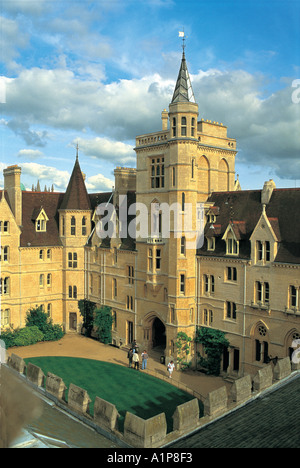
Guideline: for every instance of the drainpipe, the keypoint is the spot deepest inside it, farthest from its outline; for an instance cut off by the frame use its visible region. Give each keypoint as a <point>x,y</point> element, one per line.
<point>244,316</point>
<point>135,299</point>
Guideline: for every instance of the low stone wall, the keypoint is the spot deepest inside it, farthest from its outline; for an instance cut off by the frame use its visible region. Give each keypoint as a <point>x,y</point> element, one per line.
<point>143,433</point>
<point>152,433</point>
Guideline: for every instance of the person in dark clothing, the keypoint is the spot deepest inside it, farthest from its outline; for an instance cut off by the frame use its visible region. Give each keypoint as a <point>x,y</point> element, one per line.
<point>129,355</point>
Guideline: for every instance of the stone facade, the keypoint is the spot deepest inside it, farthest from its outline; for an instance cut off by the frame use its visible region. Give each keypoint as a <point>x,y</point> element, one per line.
<point>242,279</point>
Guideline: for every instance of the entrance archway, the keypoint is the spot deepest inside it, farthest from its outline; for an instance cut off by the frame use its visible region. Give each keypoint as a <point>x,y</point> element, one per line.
<point>158,333</point>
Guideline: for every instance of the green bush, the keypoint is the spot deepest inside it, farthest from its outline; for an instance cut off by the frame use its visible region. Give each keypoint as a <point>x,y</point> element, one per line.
<point>213,342</point>
<point>9,338</point>
<point>103,323</point>
<point>37,317</point>
<point>28,336</point>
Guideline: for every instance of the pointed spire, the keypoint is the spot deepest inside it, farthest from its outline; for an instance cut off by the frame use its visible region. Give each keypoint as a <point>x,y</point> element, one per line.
<point>183,90</point>
<point>76,196</point>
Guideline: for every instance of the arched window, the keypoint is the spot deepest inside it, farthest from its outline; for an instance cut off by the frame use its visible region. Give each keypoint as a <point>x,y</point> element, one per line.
<point>41,281</point>
<point>73,226</point>
<point>174,127</point>
<point>84,226</point>
<point>173,176</point>
<point>49,279</point>
<point>183,126</point>
<point>193,168</point>
<point>183,201</point>
<point>193,127</point>
<point>182,245</point>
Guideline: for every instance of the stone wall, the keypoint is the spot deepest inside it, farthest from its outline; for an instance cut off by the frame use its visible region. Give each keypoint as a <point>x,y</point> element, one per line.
<point>151,433</point>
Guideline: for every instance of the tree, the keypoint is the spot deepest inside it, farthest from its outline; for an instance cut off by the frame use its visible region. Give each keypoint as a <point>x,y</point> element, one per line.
<point>103,321</point>
<point>183,345</point>
<point>87,309</point>
<point>36,317</point>
<point>213,342</point>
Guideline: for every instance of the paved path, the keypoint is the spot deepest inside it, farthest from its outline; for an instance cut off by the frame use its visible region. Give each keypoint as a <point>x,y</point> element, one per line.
<point>75,345</point>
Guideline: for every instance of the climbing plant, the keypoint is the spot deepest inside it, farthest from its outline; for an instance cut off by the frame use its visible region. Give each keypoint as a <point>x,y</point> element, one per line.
<point>103,321</point>
<point>183,345</point>
<point>213,342</point>
<point>87,308</point>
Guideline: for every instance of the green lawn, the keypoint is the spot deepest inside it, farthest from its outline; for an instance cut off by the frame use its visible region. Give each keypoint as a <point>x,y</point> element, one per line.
<point>128,389</point>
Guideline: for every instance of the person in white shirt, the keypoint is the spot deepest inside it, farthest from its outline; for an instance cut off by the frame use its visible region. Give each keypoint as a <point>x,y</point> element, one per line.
<point>136,361</point>
<point>171,367</point>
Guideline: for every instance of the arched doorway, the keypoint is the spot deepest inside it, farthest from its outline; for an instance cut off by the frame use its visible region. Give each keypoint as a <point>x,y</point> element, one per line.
<point>158,333</point>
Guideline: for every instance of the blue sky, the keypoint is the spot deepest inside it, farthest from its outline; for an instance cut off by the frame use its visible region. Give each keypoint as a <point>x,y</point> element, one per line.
<point>99,72</point>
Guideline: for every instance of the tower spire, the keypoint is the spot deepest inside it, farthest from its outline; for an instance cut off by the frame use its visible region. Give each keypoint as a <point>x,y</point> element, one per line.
<point>183,90</point>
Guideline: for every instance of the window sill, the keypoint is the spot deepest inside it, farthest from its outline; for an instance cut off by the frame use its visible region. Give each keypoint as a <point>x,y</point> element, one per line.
<point>292,311</point>
<point>261,306</point>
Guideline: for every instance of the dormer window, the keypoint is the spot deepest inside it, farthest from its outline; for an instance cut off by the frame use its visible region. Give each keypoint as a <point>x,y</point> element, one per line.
<point>263,251</point>
<point>232,242</point>
<point>211,243</point>
<point>232,245</point>
<point>41,221</point>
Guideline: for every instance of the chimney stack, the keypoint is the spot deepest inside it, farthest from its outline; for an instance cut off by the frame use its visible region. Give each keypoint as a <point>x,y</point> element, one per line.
<point>267,191</point>
<point>12,184</point>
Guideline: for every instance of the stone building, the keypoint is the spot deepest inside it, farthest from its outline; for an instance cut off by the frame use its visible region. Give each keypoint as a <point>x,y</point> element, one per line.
<point>187,247</point>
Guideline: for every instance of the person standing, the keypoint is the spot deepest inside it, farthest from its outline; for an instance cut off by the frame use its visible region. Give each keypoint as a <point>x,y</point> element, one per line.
<point>136,361</point>
<point>171,367</point>
<point>144,359</point>
<point>134,346</point>
<point>130,355</point>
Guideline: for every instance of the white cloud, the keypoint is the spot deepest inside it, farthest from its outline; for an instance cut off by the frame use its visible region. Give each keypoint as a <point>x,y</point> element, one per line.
<point>266,127</point>
<point>116,152</point>
<point>58,99</point>
<point>11,40</point>
<point>46,173</point>
<point>99,183</point>
<point>30,154</point>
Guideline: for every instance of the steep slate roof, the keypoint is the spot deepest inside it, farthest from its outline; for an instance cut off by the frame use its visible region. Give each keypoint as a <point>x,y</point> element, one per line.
<point>243,209</point>
<point>76,196</point>
<point>183,90</point>
<point>32,202</point>
<point>270,421</point>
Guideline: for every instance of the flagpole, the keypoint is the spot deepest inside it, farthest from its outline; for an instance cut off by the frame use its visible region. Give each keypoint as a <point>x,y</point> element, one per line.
<point>181,34</point>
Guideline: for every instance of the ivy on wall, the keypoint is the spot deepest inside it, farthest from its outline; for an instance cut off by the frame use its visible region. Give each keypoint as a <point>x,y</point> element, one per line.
<point>103,321</point>
<point>87,308</point>
<point>213,342</point>
<point>183,345</point>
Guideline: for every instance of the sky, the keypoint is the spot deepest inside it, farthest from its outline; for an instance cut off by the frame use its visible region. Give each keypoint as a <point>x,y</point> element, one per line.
<point>97,73</point>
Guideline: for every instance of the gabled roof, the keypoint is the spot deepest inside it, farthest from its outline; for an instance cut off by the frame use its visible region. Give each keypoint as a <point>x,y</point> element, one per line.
<point>31,207</point>
<point>244,208</point>
<point>183,90</point>
<point>76,196</point>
